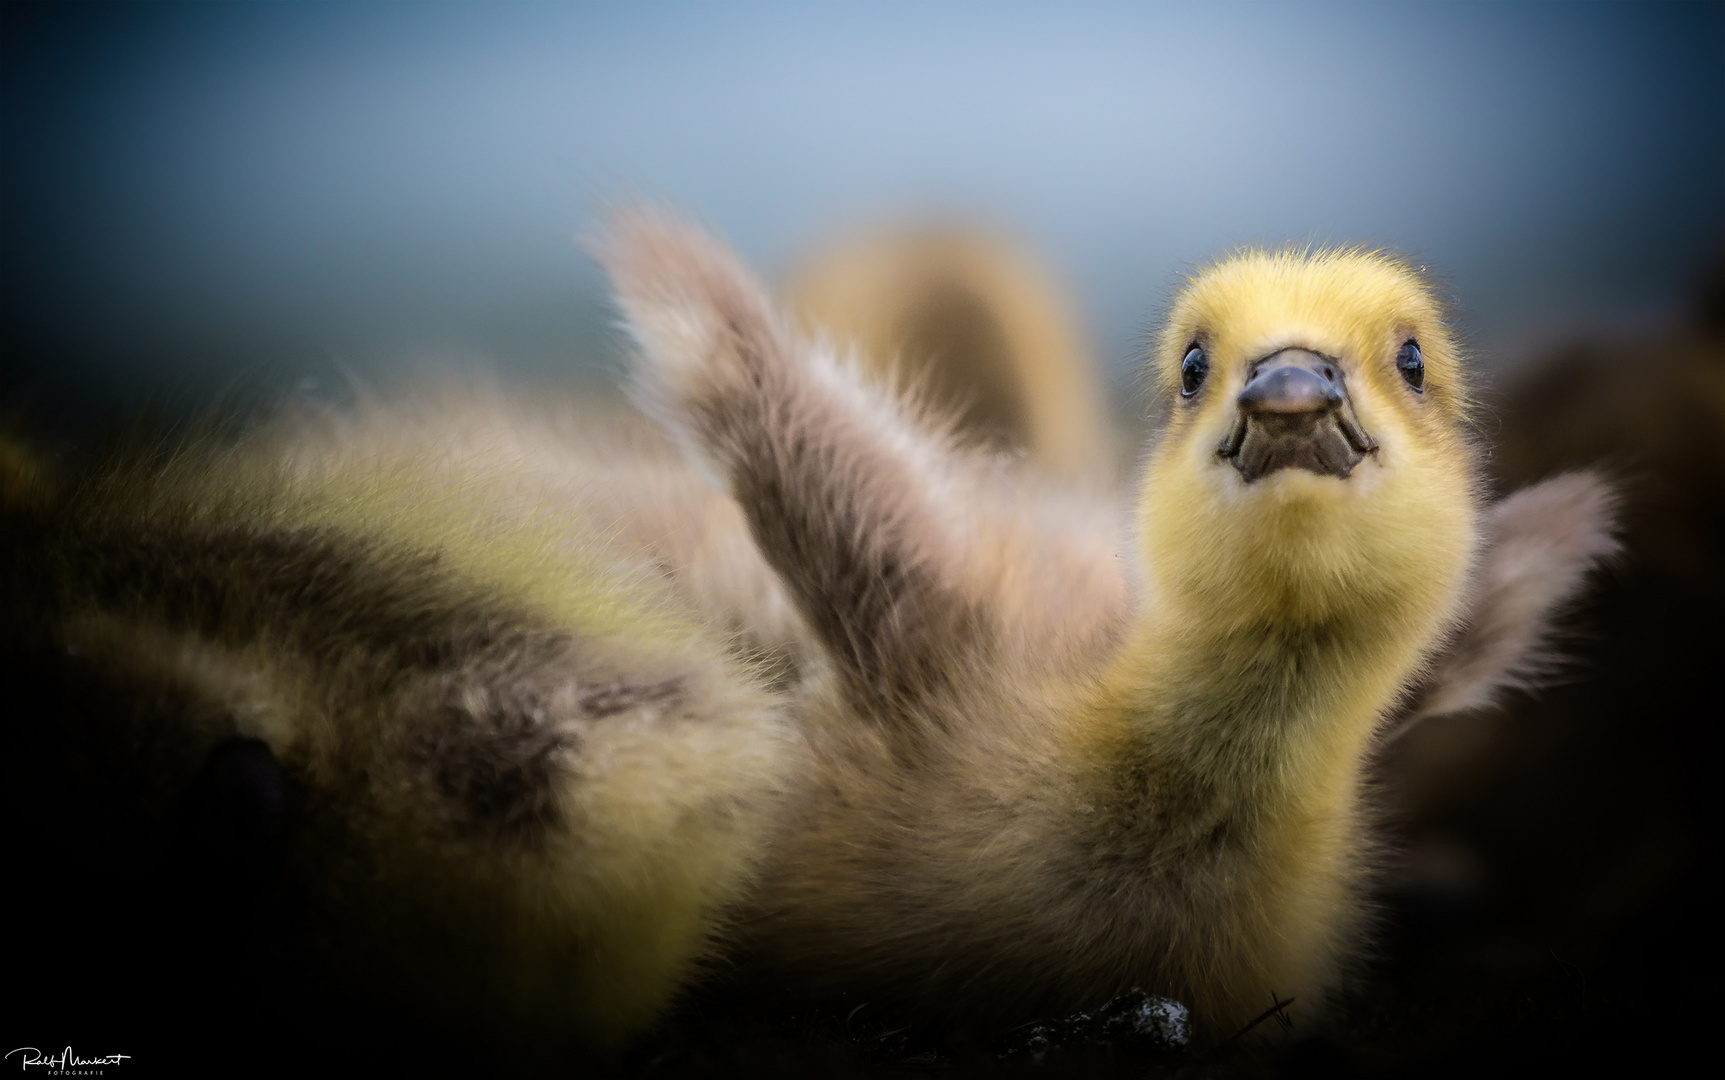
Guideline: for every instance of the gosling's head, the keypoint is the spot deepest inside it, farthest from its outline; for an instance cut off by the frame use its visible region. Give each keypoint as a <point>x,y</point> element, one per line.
<point>1316,436</point>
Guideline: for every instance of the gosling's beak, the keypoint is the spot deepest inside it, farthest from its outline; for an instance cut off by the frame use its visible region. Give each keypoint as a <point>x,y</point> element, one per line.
<point>1295,411</point>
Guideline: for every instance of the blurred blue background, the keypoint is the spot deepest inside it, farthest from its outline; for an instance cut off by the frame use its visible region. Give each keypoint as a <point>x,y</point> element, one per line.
<point>198,194</point>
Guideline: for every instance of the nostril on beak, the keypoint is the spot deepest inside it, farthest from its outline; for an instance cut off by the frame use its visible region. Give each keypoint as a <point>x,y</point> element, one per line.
<point>1291,389</point>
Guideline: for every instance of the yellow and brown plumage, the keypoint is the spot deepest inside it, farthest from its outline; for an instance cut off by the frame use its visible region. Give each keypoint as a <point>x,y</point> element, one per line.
<point>1053,762</point>
<point>528,778</point>
<point>895,717</point>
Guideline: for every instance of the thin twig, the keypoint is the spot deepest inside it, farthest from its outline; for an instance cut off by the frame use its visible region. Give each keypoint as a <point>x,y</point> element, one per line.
<point>1278,1007</point>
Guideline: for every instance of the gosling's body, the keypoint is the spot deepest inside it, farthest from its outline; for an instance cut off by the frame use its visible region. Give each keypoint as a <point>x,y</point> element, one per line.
<point>1054,760</point>
<point>527,780</point>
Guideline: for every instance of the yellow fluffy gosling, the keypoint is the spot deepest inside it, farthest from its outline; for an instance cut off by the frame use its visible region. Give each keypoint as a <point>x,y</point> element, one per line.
<point>1055,759</point>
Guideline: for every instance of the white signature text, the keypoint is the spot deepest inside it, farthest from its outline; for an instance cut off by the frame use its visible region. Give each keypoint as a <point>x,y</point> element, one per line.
<point>64,1062</point>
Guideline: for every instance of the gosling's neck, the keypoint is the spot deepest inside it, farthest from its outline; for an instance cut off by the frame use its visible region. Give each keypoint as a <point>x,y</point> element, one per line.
<point>1263,708</point>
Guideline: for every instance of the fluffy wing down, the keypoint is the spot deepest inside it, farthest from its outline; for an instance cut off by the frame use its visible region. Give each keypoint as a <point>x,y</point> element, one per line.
<point>1541,544</point>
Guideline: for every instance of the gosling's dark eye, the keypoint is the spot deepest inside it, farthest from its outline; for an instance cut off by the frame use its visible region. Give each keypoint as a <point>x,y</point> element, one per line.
<point>1192,371</point>
<point>1411,364</point>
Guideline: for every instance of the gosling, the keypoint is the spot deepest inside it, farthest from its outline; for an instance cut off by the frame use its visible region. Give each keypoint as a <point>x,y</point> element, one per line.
<point>978,333</point>
<point>519,779</point>
<point>1053,758</point>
